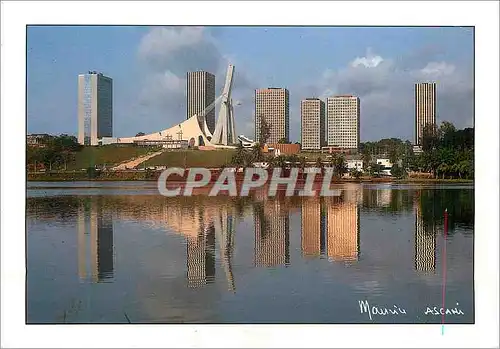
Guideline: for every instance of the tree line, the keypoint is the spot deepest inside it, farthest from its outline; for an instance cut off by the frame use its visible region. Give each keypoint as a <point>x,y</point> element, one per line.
<point>446,153</point>
<point>53,151</point>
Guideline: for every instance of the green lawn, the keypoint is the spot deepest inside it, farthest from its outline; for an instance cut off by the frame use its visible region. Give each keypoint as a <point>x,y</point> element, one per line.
<point>108,154</point>
<point>192,158</point>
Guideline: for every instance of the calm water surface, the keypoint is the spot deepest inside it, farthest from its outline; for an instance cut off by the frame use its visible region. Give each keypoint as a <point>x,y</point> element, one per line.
<point>119,252</point>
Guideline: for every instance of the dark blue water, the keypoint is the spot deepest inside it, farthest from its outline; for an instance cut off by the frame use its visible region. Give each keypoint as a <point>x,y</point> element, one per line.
<point>117,252</point>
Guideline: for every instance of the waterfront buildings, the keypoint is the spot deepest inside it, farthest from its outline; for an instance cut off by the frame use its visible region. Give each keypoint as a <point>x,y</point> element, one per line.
<point>272,105</point>
<point>312,113</point>
<point>95,107</point>
<point>425,108</point>
<point>343,120</point>
<point>200,94</point>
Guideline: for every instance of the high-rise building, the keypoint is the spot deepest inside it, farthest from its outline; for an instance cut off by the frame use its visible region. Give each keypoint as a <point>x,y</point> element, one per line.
<point>312,113</point>
<point>95,107</point>
<point>343,120</point>
<point>272,105</point>
<point>200,94</point>
<point>425,108</point>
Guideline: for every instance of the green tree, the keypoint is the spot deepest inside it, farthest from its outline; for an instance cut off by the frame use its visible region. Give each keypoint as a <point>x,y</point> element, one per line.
<point>355,173</point>
<point>397,171</point>
<point>257,153</point>
<point>264,130</point>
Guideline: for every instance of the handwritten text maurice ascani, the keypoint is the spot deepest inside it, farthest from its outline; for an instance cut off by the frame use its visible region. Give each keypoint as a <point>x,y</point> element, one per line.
<point>365,308</point>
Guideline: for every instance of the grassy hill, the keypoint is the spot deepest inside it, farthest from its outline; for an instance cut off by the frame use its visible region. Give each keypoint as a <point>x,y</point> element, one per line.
<point>192,158</point>
<point>108,155</point>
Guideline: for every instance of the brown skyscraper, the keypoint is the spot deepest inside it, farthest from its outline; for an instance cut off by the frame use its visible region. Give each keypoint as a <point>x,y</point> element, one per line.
<point>312,113</point>
<point>425,108</point>
<point>272,104</point>
<point>200,94</point>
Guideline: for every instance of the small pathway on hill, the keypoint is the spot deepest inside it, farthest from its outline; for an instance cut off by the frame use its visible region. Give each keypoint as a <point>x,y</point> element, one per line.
<point>137,161</point>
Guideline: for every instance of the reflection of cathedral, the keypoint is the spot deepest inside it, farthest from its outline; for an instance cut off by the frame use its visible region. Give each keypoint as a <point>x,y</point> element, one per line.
<point>425,243</point>
<point>272,235</point>
<point>343,230</point>
<point>201,258</point>
<point>95,228</point>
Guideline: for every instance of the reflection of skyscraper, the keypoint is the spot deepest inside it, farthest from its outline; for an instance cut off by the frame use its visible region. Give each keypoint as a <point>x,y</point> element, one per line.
<point>201,258</point>
<point>425,243</point>
<point>343,230</point>
<point>96,225</point>
<point>272,235</point>
<point>313,227</point>
<point>384,197</point>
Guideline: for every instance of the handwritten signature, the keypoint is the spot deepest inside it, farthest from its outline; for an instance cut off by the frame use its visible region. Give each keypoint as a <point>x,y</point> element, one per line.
<point>365,308</point>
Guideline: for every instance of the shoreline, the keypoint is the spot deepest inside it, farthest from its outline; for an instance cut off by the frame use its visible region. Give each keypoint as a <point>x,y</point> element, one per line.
<point>144,176</point>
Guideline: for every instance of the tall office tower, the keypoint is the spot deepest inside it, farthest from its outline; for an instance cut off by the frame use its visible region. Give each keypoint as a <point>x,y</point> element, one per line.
<point>425,243</point>
<point>343,119</point>
<point>425,108</point>
<point>313,237</point>
<point>95,234</point>
<point>272,105</point>
<point>272,235</point>
<point>312,112</point>
<point>95,107</point>
<point>201,258</point>
<point>343,230</point>
<point>200,94</point>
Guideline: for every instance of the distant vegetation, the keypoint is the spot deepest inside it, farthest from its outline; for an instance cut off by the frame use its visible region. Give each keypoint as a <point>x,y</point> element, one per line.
<point>447,153</point>
<point>64,153</point>
<point>192,158</point>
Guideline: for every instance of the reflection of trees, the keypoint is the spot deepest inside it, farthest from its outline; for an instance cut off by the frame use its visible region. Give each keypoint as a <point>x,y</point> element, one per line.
<point>459,202</point>
<point>398,200</point>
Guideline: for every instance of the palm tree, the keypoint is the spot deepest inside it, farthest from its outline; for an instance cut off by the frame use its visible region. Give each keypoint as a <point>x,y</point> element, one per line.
<point>256,153</point>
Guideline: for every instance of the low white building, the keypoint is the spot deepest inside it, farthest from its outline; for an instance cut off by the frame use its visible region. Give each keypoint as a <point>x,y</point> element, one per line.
<point>354,164</point>
<point>386,163</point>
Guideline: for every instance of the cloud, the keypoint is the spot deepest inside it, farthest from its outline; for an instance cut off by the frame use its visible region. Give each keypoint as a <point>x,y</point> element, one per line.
<point>437,69</point>
<point>166,55</point>
<point>370,61</point>
<point>384,84</point>
<point>385,87</point>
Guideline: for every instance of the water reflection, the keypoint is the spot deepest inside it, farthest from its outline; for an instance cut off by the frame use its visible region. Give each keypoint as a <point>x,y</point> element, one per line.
<point>368,242</point>
<point>272,234</point>
<point>201,257</point>
<point>95,241</point>
<point>425,243</point>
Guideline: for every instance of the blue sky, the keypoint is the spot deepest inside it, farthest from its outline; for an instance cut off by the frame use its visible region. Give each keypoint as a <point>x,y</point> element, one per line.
<point>148,66</point>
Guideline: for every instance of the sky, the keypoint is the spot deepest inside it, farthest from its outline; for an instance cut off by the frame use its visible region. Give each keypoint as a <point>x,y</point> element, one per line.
<point>148,65</point>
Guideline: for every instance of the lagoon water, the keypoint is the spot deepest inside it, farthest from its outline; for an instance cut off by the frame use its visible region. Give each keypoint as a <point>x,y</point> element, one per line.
<point>119,252</point>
